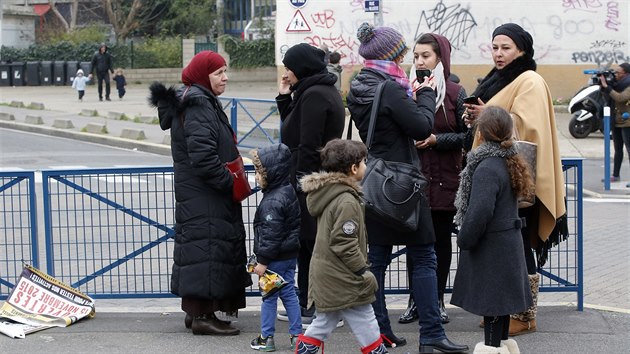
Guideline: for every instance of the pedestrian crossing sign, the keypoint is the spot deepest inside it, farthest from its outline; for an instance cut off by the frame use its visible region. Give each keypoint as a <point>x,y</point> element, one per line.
<point>298,23</point>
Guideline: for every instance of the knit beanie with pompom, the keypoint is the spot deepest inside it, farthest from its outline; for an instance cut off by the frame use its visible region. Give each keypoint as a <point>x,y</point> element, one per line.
<point>380,43</point>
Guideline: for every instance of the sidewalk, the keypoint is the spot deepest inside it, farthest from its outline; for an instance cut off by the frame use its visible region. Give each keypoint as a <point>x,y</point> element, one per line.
<point>561,330</point>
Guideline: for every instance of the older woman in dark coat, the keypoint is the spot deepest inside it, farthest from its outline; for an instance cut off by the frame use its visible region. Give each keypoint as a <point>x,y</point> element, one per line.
<point>400,121</point>
<point>209,256</point>
<point>312,114</point>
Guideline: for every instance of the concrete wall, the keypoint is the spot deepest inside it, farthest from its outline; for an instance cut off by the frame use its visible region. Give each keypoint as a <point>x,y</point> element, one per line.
<point>569,36</point>
<point>173,75</point>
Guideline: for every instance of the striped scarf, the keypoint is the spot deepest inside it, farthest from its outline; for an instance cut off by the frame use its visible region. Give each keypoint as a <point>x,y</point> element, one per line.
<point>392,69</point>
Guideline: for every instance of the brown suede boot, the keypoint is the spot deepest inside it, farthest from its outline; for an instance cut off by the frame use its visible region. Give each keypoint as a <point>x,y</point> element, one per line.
<point>525,322</point>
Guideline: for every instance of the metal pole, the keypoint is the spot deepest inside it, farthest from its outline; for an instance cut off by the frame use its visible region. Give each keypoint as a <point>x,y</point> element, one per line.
<point>378,16</point>
<point>607,148</point>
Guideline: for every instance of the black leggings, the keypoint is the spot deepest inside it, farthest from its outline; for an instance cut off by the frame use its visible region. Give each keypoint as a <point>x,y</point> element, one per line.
<point>496,329</point>
<point>621,137</point>
<point>530,260</point>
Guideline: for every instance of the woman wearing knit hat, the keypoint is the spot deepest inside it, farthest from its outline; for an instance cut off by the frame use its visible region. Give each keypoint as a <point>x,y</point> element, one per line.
<point>514,85</point>
<point>209,271</point>
<point>405,114</point>
<point>312,114</point>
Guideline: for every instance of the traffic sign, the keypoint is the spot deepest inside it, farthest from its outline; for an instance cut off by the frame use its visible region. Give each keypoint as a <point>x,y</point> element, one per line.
<point>297,3</point>
<point>298,23</point>
<point>372,5</point>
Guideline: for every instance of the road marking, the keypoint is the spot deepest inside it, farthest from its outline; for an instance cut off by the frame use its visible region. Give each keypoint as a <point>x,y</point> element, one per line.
<point>606,200</point>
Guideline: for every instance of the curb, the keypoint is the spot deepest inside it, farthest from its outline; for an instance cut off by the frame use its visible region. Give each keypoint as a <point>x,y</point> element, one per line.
<point>154,148</point>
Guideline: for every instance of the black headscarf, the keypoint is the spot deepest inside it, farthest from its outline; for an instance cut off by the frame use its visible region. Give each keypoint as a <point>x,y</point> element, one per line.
<point>304,60</point>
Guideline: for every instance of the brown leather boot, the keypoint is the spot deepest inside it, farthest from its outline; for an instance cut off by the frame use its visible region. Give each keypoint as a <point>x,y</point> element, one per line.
<point>211,325</point>
<point>189,319</point>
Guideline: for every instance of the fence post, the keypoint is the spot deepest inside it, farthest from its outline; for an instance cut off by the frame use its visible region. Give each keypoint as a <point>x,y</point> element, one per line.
<point>131,50</point>
<point>607,148</point>
<point>234,118</point>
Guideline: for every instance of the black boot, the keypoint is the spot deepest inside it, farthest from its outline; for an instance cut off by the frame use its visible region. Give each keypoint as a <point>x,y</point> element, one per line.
<point>443,315</point>
<point>391,341</point>
<point>189,320</point>
<point>211,325</point>
<point>411,313</point>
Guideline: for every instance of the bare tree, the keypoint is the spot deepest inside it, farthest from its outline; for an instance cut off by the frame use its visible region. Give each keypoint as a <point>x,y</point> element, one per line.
<point>126,18</point>
<point>74,6</point>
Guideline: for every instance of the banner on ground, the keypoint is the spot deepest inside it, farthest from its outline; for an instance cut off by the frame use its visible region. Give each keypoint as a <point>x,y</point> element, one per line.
<point>39,301</point>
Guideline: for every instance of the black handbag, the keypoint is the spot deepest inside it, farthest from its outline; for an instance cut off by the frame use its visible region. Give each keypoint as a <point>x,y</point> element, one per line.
<point>394,192</point>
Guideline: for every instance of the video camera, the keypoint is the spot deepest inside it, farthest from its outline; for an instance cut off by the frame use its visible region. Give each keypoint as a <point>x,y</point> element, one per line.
<point>609,75</point>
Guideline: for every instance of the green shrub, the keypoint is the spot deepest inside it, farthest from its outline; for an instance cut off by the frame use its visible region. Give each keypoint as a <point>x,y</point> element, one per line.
<point>249,54</point>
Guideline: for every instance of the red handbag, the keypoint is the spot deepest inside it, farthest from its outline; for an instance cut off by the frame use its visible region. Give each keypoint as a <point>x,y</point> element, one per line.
<point>241,188</point>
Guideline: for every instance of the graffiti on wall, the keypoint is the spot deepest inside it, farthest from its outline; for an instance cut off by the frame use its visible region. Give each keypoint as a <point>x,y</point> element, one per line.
<point>564,31</point>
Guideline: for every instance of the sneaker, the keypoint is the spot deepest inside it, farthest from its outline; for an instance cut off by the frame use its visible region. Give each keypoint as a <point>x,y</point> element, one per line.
<point>628,185</point>
<point>293,338</point>
<point>613,179</point>
<point>282,316</point>
<point>264,344</point>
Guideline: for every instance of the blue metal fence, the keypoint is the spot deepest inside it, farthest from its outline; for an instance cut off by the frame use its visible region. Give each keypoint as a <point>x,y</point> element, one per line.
<point>108,232</point>
<point>18,227</point>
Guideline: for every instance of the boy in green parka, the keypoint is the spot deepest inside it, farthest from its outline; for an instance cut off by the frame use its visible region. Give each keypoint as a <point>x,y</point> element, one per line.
<point>340,282</point>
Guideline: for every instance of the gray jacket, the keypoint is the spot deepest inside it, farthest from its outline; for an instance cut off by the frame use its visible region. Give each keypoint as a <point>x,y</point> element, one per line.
<point>491,277</point>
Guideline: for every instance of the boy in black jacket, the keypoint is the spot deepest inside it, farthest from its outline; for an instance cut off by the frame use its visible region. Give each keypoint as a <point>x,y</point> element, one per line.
<point>276,240</point>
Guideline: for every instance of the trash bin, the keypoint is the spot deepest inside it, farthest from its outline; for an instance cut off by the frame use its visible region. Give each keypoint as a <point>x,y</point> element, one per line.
<point>59,73</point>
<point>71,71</point>
<point>86,66</point>
<point>17,73</point>
<point>33,77</point>
<point>46,72</point>
<point>5,74</point>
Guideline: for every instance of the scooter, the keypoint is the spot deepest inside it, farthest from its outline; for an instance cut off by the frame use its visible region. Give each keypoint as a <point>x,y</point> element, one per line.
<point>587,106</point>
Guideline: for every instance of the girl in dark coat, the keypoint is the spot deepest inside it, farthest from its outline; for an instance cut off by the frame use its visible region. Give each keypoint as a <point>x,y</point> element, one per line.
<point>312,114</point>
<point>209,271</point>
<point>491,278</point>
<point>400,121</point>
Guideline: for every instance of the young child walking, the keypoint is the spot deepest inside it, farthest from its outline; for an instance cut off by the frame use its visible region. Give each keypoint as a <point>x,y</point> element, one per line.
<point>276,241</point>
<point>79,83</point>
<point>341,284</point>
<point>120,82</point>
<point>491,279</point>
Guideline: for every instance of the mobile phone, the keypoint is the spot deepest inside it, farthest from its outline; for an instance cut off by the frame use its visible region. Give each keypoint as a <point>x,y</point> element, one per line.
<point>471,100</point>
<point>421,73</point>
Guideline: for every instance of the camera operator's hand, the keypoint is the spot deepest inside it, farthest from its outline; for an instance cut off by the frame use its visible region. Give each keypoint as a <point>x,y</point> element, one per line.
<point>602,81</point>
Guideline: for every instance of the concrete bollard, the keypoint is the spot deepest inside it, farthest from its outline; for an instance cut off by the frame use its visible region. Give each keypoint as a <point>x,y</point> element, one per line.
<point>134,134</point>
<point>95,128</point>
<point>6,116</point>
<point>36,105</point>
<point>147,119</point>
<point>167,139</point>
<point>18,104</point>
<point>114,115</point>
<point>34,119</point>
<point>63,124</point>
<point>89,112</point>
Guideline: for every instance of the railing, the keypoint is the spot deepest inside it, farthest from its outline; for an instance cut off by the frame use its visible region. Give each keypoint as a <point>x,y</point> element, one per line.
<point>108,232</point>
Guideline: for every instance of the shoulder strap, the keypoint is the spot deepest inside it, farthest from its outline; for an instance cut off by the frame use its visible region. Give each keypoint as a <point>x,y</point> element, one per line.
<point>374,112</point>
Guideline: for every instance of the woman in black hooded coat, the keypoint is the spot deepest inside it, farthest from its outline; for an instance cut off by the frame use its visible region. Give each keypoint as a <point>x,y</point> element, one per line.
<point>312,113</point>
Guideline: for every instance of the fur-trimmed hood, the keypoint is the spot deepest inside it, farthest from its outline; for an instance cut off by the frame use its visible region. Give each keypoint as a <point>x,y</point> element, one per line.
<point>172,101</point>
<point>323,187</point>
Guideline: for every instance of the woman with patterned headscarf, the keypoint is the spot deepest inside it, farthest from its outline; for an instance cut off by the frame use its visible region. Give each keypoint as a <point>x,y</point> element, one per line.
<point>209,256</point>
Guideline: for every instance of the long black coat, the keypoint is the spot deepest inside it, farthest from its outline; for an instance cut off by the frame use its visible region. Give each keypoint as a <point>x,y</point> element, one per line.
<point>311,118</point>
<point>209,254</point>
<point>491,277</point>
<point>400,120</point>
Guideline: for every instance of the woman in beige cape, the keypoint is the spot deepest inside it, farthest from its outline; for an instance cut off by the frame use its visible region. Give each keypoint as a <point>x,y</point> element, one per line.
<point>514,85</point>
